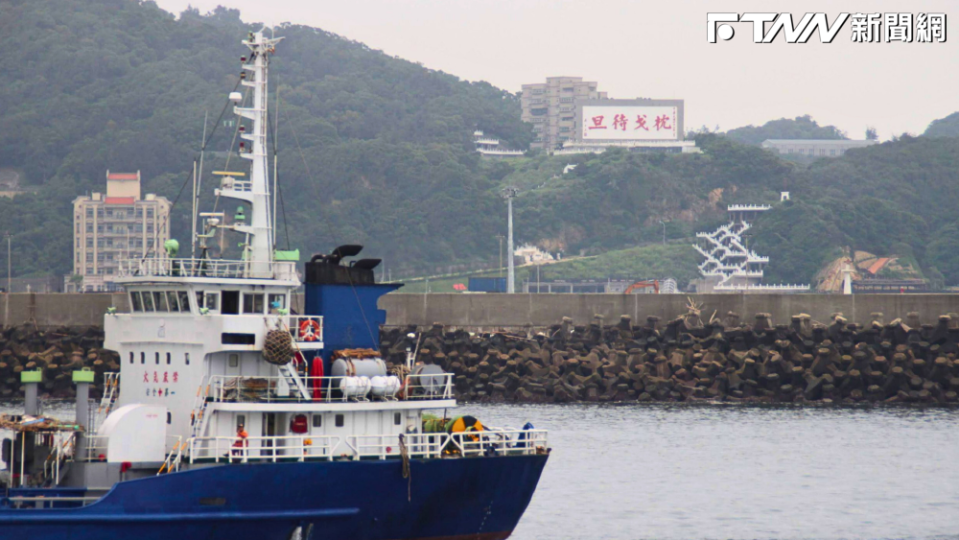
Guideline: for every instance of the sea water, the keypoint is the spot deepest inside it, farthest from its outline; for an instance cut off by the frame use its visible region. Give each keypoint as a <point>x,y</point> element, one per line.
<point>729,472</point>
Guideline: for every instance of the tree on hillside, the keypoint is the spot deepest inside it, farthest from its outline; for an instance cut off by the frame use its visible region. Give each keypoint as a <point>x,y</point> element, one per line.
<point>801,127</point>
<point>944,127</point>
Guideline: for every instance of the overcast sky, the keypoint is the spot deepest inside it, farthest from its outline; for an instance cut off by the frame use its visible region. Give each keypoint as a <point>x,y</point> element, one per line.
<point>642,48</point>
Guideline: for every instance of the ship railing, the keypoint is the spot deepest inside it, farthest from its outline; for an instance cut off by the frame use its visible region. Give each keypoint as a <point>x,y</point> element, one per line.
<point>174,457</point>
<point>500,442</point>
<point>212,268</point>
<point>62,451</point>
<point>95,449</point>
<point>46,498</point>
<point>261,449</point>
<point>422,445</point>
<point>275,389</point>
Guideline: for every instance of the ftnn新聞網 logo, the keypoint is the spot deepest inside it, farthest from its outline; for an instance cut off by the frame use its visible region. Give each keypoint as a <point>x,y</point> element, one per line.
<point>866,27</point>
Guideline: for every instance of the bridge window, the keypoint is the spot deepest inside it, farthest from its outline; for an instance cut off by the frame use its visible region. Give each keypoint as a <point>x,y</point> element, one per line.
<point>143,357</point>
<point>159,301</point>
<point>147,302</point>
<point>157,357</point>
<point>184,301</point>
<point>277,301</point>
<point>172,300</point>
<point>340,420</point>
<point>317,420</point>
<point>397,419</point>
<point>131,357</point>
<point>135,302</point>
<point>212,301</point>
<point>168,359</point>
<point>253,303</point>
<point>231,302</point>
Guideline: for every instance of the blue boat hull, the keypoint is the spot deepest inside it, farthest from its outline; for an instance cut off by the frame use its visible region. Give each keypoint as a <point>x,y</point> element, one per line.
<point>476,498</point>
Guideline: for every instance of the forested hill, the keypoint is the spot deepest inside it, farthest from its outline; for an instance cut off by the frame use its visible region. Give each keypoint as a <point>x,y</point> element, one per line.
<point>123,85</point>
<point>801,127</point>
<point>377,150</point>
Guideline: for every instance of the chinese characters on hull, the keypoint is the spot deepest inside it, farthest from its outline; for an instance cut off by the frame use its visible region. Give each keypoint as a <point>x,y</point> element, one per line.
<point>164,378</point>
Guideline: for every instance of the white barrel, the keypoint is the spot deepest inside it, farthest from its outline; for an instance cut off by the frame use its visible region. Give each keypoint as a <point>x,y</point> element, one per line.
<point>385,386</point>
<point>355,387</point>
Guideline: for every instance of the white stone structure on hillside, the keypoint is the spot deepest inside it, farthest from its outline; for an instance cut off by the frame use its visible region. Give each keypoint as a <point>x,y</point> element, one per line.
<point>730,265</point>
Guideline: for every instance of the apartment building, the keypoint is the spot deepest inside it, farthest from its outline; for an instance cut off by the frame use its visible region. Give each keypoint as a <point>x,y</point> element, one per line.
<point>112,227</point>
<point>551,108</point>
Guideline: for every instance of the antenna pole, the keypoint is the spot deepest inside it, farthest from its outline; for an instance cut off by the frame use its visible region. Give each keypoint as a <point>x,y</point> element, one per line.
<point>276,130</point>
<point>198,184</point>
<point>193,229</point>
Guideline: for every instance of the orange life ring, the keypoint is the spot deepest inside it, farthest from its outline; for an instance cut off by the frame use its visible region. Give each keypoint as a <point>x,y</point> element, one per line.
<point>309,330</point>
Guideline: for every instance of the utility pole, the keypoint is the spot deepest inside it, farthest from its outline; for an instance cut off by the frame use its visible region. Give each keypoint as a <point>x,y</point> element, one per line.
<point>509,193</point>
<point>499,269</point>
<point>9,266</point>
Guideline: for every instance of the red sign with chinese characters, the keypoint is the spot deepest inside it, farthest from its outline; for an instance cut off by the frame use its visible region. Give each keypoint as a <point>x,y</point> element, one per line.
<point>630,123</point>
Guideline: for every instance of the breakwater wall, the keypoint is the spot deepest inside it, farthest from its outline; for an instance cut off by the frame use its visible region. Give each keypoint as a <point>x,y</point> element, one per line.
<point>488,311</point>
<point>680,360</point>
<point>517,311</point>
<point>57,352</point>
<point>686,360</point>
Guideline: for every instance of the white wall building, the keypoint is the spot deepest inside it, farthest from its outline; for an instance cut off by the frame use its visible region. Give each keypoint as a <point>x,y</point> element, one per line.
<point>814,147</point>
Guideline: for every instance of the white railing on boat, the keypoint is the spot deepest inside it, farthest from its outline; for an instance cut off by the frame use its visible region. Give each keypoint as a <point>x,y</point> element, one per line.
<point>493,441</point>
<point>212,268</point>
<point>96,448</point>
<point>261,449</point>
<point>236,389</point>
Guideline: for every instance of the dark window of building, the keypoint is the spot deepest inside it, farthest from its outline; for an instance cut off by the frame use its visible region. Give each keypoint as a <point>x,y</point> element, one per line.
<point>397,419</point>
<point>143,358</point>
<point>157,358</point>
<point>231,303</point>
<point>340,421</point>
<point>168,362</point>
<point>131,357</point>
<point>317,420</point>
<point>228,338</point>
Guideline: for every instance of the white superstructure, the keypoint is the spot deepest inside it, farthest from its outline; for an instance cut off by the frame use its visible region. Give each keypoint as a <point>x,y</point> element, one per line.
<point>193,344</point>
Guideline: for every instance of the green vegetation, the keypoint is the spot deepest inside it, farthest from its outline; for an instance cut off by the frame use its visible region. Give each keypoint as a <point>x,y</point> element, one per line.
<point>944,127</point>
<point>123,85</point>
<point>675,260</point>
<point>802,127</point>
<point>377,150</point>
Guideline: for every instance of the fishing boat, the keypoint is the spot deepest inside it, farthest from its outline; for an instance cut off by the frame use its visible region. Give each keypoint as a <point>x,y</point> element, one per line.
<point>245,416</point>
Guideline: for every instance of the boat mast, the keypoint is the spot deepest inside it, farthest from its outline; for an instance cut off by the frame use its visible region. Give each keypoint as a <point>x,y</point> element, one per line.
<point>258,252</point>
